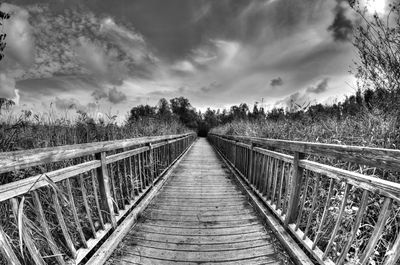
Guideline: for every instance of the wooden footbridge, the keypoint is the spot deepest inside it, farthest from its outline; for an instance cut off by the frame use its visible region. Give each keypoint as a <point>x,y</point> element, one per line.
<point>182,200</point>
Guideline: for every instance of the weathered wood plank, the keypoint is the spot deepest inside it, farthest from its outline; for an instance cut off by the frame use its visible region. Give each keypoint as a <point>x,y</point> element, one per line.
<point>17,160</point>
<point>200,216</point>
<point>375,157</point>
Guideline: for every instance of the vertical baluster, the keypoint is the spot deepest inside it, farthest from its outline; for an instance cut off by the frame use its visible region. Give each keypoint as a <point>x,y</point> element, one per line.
<point>294,189</point>
<point>141,178</point>
<point>378,229</point>
<point>86,204</point>
<point>127,181</point>
<point>270,177</point>
<point>133,187</point>
<point>63,226</point>
<point>314,200</point>
<point>120,184</point>
<point>104,188</point>
<point>275,183</point>
<point>303,201</point>
<point>137,176</point>
<point>261,175</point>
<point>96,198</point>
<point>287,188</point>
<point>114,190</point>
<point>45,228</point>
<point>151,164</point>
<point>354,229</point>
<point>265,176</point>
<point>75,213</point>
<point>279,203</point>
<point>338,221</point>
<point>26,237</point>
<point>324,214</point>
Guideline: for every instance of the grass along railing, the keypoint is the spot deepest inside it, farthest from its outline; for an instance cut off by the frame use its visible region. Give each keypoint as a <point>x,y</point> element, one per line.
<point>338,216</point>
<point>82,194</point>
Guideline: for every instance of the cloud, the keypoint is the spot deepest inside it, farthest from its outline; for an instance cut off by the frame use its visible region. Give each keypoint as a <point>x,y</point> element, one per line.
<point>67,103</point>
<point>276,81</point>
<point>92,56</point>
<point>342,26</point>
<point>99,94</point>
<point>20,41</point>
<point>7,86</point>
<point>301,99</point>
<point>321,87</point>
<point>115,96</point>
<point>211,87</point>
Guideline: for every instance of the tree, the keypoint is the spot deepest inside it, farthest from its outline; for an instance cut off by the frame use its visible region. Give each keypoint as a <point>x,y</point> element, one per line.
<point>142,111</point>
<point>164,110</point>
<point>185,112</point>
<point>377,40</point>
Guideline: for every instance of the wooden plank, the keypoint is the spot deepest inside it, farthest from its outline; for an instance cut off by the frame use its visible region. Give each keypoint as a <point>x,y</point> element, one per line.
<point>46,230</point>
<point>105,250</point>
<point>86,204</point>
<point>354,229</point>
<point>296,253</point>
<point>20,187</point>
<point>17,160</point>
<point>294,189</point>
<point>63,226</point>
<point>324,214</point>
<point>75,213</point>
<point>375,157</point>
<point>338,221</point>
<point>104,188</point>
<point>25,235</point>
<point>378,229</point>
<point>93,175</point>
<point>371,183</point>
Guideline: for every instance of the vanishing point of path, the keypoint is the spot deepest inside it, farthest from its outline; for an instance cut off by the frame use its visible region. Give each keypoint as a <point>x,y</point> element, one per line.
<point>198,217</point>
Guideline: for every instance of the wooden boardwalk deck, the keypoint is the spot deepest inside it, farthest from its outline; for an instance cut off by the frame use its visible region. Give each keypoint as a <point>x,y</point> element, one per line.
<point>199,217</point>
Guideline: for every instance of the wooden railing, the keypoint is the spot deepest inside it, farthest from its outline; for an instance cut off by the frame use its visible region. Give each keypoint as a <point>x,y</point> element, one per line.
<point>339,216</point>
<point>81,195</point>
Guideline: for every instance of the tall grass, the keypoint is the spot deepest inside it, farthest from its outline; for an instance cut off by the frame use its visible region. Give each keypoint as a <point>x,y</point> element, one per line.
<point>368,127</point>
<point>29,130</point>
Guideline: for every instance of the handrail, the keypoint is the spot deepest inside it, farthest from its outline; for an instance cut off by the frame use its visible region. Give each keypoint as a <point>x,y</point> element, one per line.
<point>17,160</point>
<point>311,198</point>
<point>86,190</point>
<point>376,157</point>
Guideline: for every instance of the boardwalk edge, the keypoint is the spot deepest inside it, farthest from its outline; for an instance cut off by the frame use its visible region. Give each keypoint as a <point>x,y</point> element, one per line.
<point>108,247</point>
<point>295,252</point>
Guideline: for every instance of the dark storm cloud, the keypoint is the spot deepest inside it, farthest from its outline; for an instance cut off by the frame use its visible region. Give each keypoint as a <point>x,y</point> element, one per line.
<point>342,26</point>
<point>276,82</point>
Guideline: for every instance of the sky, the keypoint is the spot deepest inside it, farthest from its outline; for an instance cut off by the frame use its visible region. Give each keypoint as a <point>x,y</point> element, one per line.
<point>99,55</point>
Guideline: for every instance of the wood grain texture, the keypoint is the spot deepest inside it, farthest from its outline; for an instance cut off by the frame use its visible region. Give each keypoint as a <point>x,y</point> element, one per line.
<point>16,160</point>
<point>199,217</point>
<point>375,157</point>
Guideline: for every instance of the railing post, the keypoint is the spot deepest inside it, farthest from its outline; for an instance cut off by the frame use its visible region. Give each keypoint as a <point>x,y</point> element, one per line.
<point>294,189</point>
<point>104,188</point>
<point>251,160</point>
<point>151,161</point>
<point>234,152</point>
